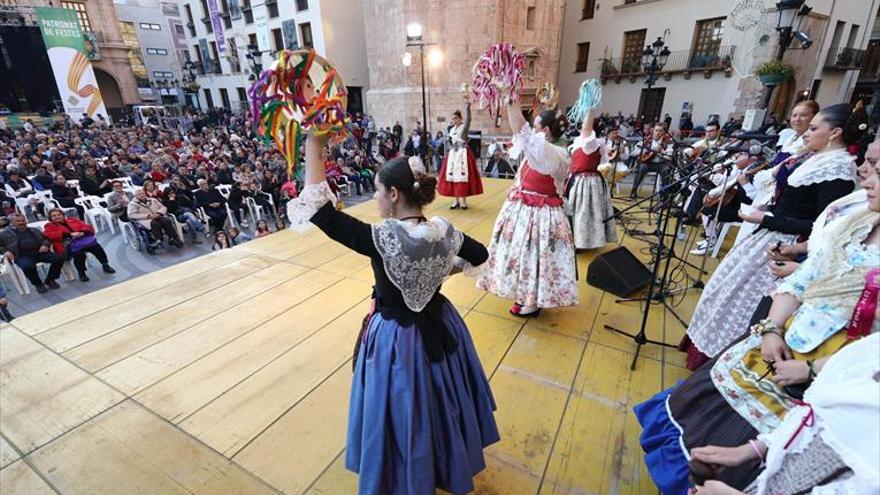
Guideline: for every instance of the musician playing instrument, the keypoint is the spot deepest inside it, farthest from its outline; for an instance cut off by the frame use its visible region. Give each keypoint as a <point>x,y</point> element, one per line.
<point>653,156</point>
<point>710,142</point>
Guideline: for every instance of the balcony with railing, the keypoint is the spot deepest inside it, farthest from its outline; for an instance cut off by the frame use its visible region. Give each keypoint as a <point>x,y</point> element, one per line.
<point>679,62</point>
<point>871,65</point>
<point>844,58</point>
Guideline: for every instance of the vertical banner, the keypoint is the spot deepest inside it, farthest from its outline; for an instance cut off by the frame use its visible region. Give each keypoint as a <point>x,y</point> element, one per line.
<point>288,31</point>
<point>71,66</point>
<point>234,10</point>
<point>206,56</point>
<point>214,12</point>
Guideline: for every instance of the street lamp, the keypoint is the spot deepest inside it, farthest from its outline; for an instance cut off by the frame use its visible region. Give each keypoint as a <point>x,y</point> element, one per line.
<point>791,12</point>
<point>654,58</point>
<point>791,15</point>
<point>190,79</point>
<point>414,38</point>
<point>255,58</point>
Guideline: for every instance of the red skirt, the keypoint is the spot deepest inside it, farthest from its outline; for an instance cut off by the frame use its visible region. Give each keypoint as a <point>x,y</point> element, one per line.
<point>695,358</point>
<point>472,187</point>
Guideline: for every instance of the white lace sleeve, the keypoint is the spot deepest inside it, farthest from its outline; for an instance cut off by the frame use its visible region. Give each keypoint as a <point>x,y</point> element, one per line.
<point>301,210</point>
<point>589,144</point>
<point>466,268</point>
<point>529,142</point>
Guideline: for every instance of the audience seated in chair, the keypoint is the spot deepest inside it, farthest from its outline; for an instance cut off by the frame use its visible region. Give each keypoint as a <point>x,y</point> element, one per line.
<point>27,246</point>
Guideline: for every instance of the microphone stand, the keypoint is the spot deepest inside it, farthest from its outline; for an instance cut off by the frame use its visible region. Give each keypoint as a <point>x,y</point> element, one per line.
<point>666,191</point>
<point>713,224</point>
<point>656,288</point>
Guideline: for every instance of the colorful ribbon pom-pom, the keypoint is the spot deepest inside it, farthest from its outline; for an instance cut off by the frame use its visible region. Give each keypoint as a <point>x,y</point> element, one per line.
<point>498,77</point>
<point>590,97</point>
<point>281,111</point>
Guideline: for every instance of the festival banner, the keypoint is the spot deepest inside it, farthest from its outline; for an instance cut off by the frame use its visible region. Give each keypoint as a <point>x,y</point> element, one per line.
<point>214,12</point>
<point>234,10</point>
<point>71,66</point>
<point>206,56</point>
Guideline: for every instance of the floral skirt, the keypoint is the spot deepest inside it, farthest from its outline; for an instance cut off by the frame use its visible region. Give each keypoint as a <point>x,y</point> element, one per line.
<point>589,204</point>
<point>531,257</point>
<point>416,425</point>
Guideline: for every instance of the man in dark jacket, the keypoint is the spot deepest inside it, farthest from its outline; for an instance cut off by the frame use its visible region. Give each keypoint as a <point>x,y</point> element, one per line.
<point>497,166</point>
<point>27,246</point>
<point>213,202</point>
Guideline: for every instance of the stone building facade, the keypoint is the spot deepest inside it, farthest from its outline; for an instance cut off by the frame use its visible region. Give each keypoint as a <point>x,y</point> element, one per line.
<point>334,28</point>
<point>716,46</point>
<point>112,71</point>
<point>462,31</point>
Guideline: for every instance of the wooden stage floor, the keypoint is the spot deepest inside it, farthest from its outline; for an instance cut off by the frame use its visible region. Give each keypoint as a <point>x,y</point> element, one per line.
<point>230,374</point>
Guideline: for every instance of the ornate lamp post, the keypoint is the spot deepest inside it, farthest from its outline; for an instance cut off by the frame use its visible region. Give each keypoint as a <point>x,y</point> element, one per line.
<point>189,79</point>
<point>414,38</point>
<point>654,58</point>
<point>255,58</point>
<point>791,15</point>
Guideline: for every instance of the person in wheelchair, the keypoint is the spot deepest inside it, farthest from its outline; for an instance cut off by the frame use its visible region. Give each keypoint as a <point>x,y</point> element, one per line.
<point>149,213</point>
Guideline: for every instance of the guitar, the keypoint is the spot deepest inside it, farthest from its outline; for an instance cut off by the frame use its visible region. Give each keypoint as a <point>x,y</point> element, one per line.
<point>749,166</point>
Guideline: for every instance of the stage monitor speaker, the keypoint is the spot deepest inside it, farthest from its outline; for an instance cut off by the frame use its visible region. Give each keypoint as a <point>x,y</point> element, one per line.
<point>618,272</point>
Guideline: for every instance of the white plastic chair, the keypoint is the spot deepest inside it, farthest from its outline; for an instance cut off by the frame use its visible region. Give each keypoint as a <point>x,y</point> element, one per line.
<point>49,202</point>
<point>256,210</point>
<point>94,212</point>
<point>75,184</point>
<point>224,190</point>
<point>18,279</point>
<point>126,182</point>
<point>725,227</point>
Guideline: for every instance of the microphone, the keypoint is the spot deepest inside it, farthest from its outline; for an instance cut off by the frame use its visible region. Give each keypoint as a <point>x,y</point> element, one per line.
<point>753,148</point>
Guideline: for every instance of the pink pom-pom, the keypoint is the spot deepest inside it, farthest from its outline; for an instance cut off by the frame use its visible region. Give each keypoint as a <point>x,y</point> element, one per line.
<point>498,76</point>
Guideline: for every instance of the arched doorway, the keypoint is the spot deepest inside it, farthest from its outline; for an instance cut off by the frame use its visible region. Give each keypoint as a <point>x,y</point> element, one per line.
<point>111,94</point>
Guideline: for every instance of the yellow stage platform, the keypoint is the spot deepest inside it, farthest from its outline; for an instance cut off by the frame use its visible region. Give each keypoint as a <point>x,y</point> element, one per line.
<point>230,374</point>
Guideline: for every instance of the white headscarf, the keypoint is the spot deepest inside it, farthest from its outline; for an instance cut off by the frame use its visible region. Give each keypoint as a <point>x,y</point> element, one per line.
<point>845,398</point>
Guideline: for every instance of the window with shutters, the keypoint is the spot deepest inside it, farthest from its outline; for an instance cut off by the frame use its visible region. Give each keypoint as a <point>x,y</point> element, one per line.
<point>707,42</point>
<point>633,46</point>
<point>583,54</point>
<point>81,14</point>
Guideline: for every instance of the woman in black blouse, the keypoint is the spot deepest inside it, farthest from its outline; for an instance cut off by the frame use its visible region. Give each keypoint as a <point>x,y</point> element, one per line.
<point>744,276</point>
<point>421,410</point>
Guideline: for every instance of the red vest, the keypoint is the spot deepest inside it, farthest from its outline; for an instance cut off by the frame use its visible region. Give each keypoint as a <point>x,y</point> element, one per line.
<point>583,163</point>
<point>536,189</point>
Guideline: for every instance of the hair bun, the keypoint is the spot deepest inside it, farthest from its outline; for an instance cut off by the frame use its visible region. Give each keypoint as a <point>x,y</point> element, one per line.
<point>855,126</point>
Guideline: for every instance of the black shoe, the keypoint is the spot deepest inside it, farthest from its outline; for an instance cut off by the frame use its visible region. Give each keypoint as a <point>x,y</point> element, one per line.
<point>52,284</point>
<point>42,289</point>
<point>454,206</point>
<point>464,207</point>
<point>177,243</point>
<point>83,277</point>
<point>107,268</point>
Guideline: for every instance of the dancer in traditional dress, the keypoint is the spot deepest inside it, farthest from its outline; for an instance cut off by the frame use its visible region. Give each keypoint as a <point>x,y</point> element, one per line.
<point>459,176</point>
<point>531,256</point>
<point>588,200</point>
<point>744,275</point>
<point>421,410</point>
<point>749,387</point>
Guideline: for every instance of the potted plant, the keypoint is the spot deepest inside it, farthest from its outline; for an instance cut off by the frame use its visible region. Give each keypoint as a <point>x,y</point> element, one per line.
<point>608,68</point>
<point>774,72</point>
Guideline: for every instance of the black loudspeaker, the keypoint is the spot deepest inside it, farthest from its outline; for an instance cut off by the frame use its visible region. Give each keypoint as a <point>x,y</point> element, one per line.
<point>618,272</point>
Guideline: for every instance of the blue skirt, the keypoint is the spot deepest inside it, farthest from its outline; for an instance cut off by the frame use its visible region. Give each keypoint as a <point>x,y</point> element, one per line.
<point>662,443</point>
<point>416,425</point>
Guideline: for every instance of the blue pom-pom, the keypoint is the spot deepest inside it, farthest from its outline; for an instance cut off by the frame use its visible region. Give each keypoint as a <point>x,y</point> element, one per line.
<point>589,98</point>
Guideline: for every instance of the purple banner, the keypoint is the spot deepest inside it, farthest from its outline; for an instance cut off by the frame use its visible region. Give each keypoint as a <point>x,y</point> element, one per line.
<point>218,26</point>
